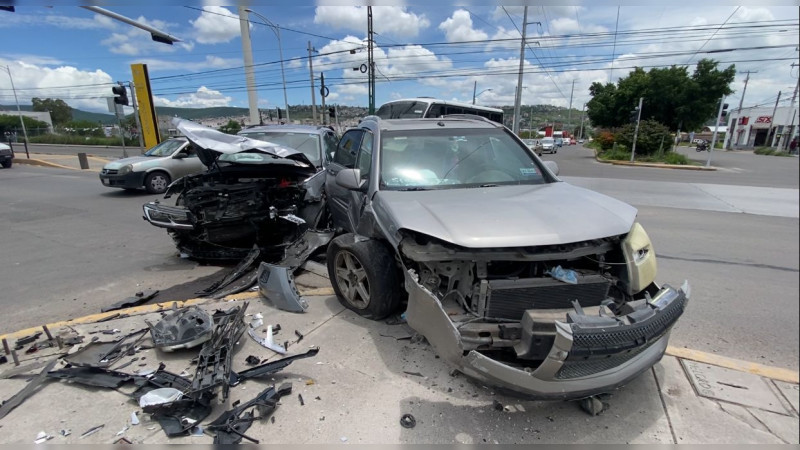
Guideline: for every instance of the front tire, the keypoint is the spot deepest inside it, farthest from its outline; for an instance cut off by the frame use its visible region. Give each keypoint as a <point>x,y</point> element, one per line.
<point>156,182</point>
<point>7,164</point>
<point>365,276</point>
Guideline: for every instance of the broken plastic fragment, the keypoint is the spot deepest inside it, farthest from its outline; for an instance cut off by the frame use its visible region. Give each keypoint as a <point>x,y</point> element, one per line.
<point>565,275</point>
<point>42,437</point>
<point>267,341</point>
<point>92,430</point>
<point>134,419</point>
<point>122,431</point>
<point>66,433</point>
<point>159,396</point>
<point>184,328</point>
<point>257,321</point>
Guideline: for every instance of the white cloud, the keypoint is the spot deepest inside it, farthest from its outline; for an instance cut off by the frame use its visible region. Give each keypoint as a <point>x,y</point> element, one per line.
<point>392,20</point>
<point>213,27</point>
<point>203,98</point>
<point>458,28</point>
<point>82,89</point>
<point>210,62</point>
<point>567,25</point>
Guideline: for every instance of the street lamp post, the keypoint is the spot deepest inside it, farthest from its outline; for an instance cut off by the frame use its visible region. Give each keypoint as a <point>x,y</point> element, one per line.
<point>479,94</point>
<point>277,30</point>
<point>19,112</point>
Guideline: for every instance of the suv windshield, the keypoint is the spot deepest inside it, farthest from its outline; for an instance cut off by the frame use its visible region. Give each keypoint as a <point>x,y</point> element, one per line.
<point>165,148</point>
<point>308,143</point>
<point>453,158</point>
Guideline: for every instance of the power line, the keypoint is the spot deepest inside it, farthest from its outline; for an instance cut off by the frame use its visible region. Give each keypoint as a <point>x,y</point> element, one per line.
<point>713,34</point>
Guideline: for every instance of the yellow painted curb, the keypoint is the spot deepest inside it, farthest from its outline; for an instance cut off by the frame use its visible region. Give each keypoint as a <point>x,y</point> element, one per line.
<point>39,162</point>
<point>775,373</point>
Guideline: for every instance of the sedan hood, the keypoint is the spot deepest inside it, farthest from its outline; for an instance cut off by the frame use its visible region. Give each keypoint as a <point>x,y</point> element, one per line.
<point>211,143</point>
<point>116,165</point>
<point>506,216</point>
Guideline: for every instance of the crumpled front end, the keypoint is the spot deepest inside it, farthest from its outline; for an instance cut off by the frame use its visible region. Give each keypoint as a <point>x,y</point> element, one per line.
<point>502,317</point>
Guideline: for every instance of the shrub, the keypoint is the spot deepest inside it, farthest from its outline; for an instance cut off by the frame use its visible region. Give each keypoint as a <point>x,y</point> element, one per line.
<point>675,158</point>
<point>618,154</point>
<point>652,137</point>
<point>605,139</point>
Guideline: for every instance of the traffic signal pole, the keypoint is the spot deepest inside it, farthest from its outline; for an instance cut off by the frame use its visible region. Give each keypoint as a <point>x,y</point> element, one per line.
<point>716,128</point>
<point>136,116</point>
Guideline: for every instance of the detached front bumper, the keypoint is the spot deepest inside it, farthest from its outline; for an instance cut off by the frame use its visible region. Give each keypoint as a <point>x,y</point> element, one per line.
<point>131,180</point>
<point>588,357</point>
<point>172,217</point>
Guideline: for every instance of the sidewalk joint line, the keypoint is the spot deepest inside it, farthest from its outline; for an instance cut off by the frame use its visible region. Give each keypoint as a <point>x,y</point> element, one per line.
<point>664,405</point>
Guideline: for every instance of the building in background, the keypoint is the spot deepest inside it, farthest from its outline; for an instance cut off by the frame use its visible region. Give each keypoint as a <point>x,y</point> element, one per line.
<point>756,127</point>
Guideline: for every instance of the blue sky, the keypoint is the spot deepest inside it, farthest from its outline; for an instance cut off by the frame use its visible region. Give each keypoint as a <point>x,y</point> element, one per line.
<point>422,49</point>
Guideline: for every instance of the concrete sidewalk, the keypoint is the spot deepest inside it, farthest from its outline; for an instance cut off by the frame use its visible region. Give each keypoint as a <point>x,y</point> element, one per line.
<point>368,374</point>
<point>60,161</point>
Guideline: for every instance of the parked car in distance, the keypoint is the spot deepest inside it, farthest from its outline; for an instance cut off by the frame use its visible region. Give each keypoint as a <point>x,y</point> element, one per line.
<point>6,156</point>
<point>580,141</point>
<point>549,145</point>
<point>534,145</point>
<point>559,142</point>
<point>155,169</point>
<point>572,141</point>
<point>515,278</point>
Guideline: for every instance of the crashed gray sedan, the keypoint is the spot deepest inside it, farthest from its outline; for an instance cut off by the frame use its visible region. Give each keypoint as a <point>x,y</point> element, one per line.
<point>516,278</point>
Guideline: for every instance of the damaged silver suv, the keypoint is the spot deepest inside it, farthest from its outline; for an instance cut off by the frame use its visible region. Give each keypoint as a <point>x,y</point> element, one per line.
<point>516,278</point>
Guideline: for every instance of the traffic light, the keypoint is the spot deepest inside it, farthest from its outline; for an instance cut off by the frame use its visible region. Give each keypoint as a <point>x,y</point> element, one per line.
<point>120,95</point>
<point>280,116</point>
<point>724,110</point>
<point>634,115</point>
<point>332,112</point>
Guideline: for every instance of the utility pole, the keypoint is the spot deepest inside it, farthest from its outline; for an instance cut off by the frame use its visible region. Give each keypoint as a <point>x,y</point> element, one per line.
<point>136,116</point>
<point>636,131</point>
<point>19,112</point>
<point>518,98</point>
<point>569,113</point>
<point>786,138</point>
<point>249,75</point>
<point>716,128</point>
<point>772,121</point>
<point>322,93</point>
<point>474,88</point>
<point>731,132</point>
<point>313,94</point>
<point>370,62</point>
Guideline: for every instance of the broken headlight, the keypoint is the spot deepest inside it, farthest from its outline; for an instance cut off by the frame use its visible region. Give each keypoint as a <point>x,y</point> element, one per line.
<point>640,259</point>
<point>124,170</point>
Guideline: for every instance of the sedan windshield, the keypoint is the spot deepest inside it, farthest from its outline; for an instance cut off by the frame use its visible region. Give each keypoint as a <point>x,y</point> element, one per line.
<point>307,143</point>
<point>165,148</point>
<point>443,159</point>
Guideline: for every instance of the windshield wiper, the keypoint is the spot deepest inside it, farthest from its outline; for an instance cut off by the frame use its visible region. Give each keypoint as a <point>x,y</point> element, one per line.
<point>489,185</point>
<point>414,188</point>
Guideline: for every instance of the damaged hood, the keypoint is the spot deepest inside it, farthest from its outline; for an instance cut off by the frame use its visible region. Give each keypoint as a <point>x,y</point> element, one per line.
<point>118,164</point>
<point>211,143</point>
<point>506,216</point>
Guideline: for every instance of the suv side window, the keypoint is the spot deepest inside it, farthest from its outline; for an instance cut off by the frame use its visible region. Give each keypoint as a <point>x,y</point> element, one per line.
<point>364,163</point>
<point>329,146</point>
<point>348,148</point>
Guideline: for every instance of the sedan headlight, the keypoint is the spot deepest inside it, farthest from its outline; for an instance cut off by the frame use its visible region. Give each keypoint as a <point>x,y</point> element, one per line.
<point>640,259</point>
<point>126,169</point>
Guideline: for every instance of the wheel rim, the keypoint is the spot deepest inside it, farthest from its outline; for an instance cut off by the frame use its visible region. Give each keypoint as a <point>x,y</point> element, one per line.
<point>352,279</point>
<point>158,183</point>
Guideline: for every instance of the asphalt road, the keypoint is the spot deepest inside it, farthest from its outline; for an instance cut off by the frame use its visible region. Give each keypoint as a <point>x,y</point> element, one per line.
<point>71,246</point>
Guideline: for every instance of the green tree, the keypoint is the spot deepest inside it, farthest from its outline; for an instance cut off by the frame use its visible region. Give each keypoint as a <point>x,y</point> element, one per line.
<point>60,111</point>
<point>232,127</point>
<point>671,96</point>
<point>10,124</point>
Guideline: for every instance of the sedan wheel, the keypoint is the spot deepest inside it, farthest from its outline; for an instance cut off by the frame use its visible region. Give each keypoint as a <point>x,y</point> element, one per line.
<point>156,182</point>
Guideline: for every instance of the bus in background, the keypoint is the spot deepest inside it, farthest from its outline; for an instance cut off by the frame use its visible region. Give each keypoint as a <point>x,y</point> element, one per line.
<point>416,108</point>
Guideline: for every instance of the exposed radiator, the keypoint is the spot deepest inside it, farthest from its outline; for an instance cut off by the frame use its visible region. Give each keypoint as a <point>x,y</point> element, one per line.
<point>508,299</point>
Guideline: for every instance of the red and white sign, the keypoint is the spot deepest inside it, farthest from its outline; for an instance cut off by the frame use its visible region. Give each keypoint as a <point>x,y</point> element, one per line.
<point>764,119</point>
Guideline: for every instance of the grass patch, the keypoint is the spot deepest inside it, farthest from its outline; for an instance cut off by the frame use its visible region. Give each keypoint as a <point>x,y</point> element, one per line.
<point>770,152</point>
<point>620,154</point>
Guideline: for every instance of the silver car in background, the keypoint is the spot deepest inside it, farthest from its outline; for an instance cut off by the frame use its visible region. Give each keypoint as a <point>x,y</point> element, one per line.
<point>155,169</point>
<point>517,279</point>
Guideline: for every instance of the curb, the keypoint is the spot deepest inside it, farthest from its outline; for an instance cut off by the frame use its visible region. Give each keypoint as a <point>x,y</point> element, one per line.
<point>774,373</point>
<point>39,162</point>
<point>653,165</point>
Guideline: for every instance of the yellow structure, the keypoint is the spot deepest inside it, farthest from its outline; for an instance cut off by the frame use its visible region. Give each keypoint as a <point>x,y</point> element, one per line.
<point>147,111</point>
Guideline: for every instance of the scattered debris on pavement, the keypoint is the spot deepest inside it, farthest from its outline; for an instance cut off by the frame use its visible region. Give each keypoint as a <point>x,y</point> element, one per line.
<point>408,421</point>
<point>136,300</point>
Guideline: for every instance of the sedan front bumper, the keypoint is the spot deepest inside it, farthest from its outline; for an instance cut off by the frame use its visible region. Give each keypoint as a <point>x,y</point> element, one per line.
<point>586,358</point>
<point>131,180</point>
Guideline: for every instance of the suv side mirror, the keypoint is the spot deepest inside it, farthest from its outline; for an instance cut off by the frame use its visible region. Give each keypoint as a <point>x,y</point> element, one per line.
<point>350,179</point>
<point>179,155</point>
